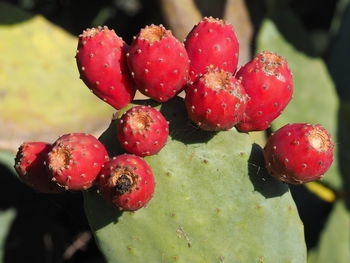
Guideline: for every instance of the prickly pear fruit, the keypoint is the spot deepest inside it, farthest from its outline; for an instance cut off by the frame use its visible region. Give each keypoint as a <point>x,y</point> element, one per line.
<point>102,65</point>
<point>75,160</point>
<point>143,131</point>
<point>216,101</point>
<point>31,169</point>
<point>212,43</point>
<point>127,181</point>
<point>299,153</point>
<point>269,85</point>
<point>158,63</point>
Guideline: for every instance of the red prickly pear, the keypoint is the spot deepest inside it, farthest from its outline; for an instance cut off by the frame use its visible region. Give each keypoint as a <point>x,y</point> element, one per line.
<point>212,43</point>
<point>299,153</point>
<point>269,85</point>
<point>216,101</point>
<point>75,160</point>
<point>127,182</point>
<point>158,63</point>
<point>143,131</point>
<point>102,65</point>
<point>31,169</point>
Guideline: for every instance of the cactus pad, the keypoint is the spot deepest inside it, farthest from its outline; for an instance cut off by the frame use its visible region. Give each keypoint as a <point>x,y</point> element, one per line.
<point>41,96</point>
<point>213,203</point>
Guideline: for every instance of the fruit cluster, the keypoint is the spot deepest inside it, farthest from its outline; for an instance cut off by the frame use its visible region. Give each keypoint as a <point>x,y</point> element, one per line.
<point>217,98</point>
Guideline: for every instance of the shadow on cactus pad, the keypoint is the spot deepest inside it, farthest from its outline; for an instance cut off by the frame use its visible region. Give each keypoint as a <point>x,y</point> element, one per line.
<point>262,181</point>
<point>181,128</point>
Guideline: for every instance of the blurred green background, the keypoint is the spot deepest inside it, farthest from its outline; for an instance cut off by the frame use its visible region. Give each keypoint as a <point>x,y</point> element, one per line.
<point>41,97</point>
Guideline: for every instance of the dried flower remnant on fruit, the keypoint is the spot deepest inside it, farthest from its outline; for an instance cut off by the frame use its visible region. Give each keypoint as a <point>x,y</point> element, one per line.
<point>154,33</point>
<point>127,182</point>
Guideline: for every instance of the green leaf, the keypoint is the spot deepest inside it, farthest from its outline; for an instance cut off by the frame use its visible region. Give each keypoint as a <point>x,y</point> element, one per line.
<point>315,99</point>
<point>334,244</point>
<point>6,219</point>
<point>338,67</point>
<point>213,202</point>
<point>41,95</point>
<point>7,159</point>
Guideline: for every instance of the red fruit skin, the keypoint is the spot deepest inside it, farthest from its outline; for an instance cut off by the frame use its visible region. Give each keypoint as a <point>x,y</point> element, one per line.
<point>142,130</point>
<point>127,182</point>
<point>213,106</point>
<point>101,60</point>
<point>31,170</point>
<point>75,160</point>
<point>269,84</point>
<point>299,153</point>
<point>158,63</point>
<point>212,44</point>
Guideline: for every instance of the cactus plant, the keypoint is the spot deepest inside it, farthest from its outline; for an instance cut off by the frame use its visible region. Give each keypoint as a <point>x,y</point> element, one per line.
<point>213,203</point>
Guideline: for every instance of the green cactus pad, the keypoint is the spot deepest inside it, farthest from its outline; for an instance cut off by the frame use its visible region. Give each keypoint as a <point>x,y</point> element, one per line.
<point>41,95</point>
<point>213,203</point>
<point>334,240</point>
